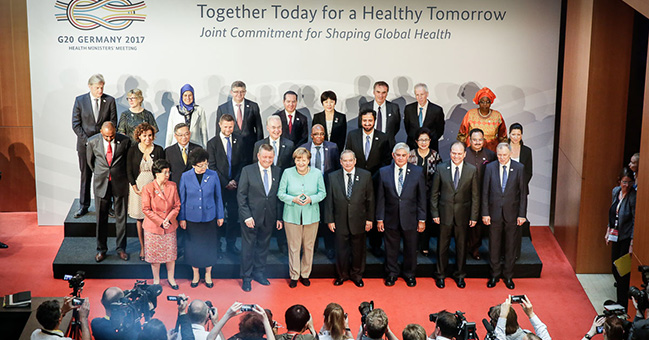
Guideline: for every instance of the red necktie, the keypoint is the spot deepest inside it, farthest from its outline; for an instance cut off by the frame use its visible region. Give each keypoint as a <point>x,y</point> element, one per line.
<point>109,158</point>
<point>239,116</point>
<point>290,124</point>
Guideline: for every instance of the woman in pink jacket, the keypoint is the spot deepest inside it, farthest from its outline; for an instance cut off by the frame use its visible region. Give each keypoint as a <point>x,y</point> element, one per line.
<point>160,204</point>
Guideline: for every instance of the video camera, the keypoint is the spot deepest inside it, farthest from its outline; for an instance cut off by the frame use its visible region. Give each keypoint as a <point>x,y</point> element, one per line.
<point>76,282</point>
<point>465,330</point>
<point>365,308</point>
<point>138,302</point>
<point>640,295</point>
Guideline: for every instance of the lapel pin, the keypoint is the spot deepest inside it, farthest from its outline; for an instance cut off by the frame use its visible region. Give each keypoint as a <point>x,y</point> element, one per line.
<point>297,118</point>
<point>336,120</point>
<point>376,138</point>
<point>357,178</point>
<point>283,145</point>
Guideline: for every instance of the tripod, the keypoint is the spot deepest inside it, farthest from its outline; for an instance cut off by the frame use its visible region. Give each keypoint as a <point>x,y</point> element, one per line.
<point>74,331</point>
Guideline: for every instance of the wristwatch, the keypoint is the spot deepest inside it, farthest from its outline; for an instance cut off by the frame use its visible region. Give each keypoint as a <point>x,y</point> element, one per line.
<point>587,336</point>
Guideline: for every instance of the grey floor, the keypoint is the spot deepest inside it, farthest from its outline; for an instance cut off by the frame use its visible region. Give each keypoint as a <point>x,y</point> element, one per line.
<point>598,287</point>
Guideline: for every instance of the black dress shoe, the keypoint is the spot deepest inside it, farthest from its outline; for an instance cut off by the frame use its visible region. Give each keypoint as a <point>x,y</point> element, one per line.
<point>305,281</point>
<point>492,282</point>
<point>194,284</point>
<point>359,283</point>
<point>100,257</point>
<point>292,284</point>
<point>439,283</point>
<point>262,280</point>
<point>80,212</point>
<point>246,286</point>
<point>209,284</point>
<point>174,287</point>
<point>3,246</point>
<point>390,280</point>
<point>509,283</point>
<point>331,254</point>
<point>339,282</point>
<point>460,283</point>
<point>411,281</point>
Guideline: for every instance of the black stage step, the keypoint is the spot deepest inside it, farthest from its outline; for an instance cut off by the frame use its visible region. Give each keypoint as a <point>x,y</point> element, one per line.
<point>77,253</point>
<point>86,225</point>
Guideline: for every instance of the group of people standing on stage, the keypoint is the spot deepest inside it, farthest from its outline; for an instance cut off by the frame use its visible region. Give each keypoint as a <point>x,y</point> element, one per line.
<point>348,187</point>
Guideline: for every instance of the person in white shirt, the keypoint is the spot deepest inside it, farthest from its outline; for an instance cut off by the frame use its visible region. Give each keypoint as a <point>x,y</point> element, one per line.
<point>50,313</point>
<point>507,327</point>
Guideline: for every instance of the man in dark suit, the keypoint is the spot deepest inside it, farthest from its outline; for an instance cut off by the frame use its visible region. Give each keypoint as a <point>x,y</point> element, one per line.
<point>176,154</point>
<point>388,117</point>
<point>372,149</point>
<point>106,154</point>
<point>294,123</point>
<point>423,113</point>
<point>504,207</point>
<point>247,125</point>
<point>283,147</point>
<point>324,157</point>
<point>90,111</point>
<point>454,205</point>
<point>225,152</point>
<point>349,213</point>
<point>401,213</point>
<point>260,212</point>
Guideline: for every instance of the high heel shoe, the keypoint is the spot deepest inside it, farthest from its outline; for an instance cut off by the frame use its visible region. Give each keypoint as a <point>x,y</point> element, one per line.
<point>194,284</point>
<point>174,287</point>
<point>209,284</point>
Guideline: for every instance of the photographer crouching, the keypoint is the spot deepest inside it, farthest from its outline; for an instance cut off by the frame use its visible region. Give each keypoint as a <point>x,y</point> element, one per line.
<point>374,323</point>
<point>50,313</point>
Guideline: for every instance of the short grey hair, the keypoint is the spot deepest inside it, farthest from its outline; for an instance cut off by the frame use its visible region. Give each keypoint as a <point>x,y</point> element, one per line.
<point>346,152</point>
<point>503,146</point>
<point>401,146</point>
<point>423,86</point>
<point>96,79</point>
<point>237,83</point>
<point>273,118</point>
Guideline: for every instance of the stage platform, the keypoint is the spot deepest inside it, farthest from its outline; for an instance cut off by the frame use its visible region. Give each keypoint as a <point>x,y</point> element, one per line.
<point>78,249</point>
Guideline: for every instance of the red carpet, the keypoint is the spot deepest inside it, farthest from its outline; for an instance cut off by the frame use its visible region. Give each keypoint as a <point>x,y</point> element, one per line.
<point>557,296</point>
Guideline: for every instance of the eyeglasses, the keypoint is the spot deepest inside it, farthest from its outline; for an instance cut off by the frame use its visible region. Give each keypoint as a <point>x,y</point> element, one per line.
<point>132,98</point>
<point>202,165</point>
<point>239,92</point>
<point>485,102</point>
<point>183,134</point>
<point>423,140</point>
<point>165,172</point>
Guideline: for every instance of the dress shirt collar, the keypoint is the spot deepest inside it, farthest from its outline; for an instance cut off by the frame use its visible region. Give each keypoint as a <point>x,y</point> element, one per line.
<point>292,118</point>
<point>186,146</point>
<point>112,145</point>
<point>261,169</point>
<point>243,108</point>
<point>425,107</point>
<point>508,164</point>
<point>271,140</point>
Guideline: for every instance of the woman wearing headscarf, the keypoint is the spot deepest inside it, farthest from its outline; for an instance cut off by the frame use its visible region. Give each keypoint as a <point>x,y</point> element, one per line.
<point>490,121</point>
<point>188,112</point>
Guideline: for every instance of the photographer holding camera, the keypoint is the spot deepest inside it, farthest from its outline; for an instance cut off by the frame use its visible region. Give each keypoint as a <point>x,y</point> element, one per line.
<point>255,312</point>
<point>102,328</point>
<point>375,326</point>
<point>445,326</point>
<point>640,327</point>
<point>507,327</point>
<point>198,313</point>
<point>50,313</point>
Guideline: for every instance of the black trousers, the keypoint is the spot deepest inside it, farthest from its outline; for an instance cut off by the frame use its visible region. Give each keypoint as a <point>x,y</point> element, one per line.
<point>254,249</point>
<point>230,229</point>
<point>474,237</point>
<point>443,244</point>
<point>393,238</point>
<point>620,248</point>
<point>102,205</point>
<point>500,231</point>
<point>350,254</point>
<point>86,179</point>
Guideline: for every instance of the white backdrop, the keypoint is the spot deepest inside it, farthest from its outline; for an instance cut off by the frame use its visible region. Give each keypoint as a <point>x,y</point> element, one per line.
<point>165,47</point>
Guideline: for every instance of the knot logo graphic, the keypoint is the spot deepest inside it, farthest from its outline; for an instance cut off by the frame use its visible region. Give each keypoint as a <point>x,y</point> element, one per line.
<point>87,15</point>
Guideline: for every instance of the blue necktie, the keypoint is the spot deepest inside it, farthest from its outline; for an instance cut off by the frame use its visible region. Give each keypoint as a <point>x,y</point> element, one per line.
<point>318,158</point>
<point>266,184</point>
<point>456,178</point>
<point>276,153</point>
<point>504,184</point>
<point>229,152</point>
<point>400,181</point>
<point>421,116</point>
<point>367,147</point>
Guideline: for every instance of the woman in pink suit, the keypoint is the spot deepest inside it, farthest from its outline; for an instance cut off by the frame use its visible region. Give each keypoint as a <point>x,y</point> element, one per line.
<point>160,204</point>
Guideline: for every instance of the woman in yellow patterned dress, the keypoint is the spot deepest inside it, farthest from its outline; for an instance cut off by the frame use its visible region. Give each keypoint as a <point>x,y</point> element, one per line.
<point>490,121</point>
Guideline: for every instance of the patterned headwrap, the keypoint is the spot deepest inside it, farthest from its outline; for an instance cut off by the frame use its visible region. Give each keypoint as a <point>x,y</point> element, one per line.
<point>484,92</point>
<point>185,88</point>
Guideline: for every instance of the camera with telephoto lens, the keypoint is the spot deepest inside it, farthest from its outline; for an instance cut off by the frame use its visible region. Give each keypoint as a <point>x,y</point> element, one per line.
<point>465,330</point>
<point>137,303</point>
<point>365,308</point>
<point>640,295</point>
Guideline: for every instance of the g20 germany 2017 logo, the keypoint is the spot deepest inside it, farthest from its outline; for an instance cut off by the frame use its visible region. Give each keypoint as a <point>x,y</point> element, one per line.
<point>87,15</point>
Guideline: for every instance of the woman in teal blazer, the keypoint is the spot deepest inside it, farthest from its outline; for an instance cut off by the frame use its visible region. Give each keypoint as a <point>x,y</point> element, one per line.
<point>301,189</point>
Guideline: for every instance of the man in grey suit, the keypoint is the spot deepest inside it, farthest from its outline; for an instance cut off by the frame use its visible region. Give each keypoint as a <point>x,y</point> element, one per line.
<point>259,212</point>
<point>454,205</point>
<point>504,207</point>
<point>248,124</point>
<point>106,155</point>
<point>349,213</point>
<point>90,111</point>
<point>388,116</point>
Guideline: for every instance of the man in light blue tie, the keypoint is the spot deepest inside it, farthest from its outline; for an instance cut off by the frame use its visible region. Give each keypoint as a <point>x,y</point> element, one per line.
<point>423,113</point>
<point>504,207</point>
<point>260,212</point>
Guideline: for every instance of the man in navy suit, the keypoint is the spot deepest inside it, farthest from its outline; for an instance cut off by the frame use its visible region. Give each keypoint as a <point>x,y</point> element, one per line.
<point>294,123</point>
<point>504,207</point>
<point>388,117</point>
<point>401,213</point>
<point>225,152</point>
<point>260,212</point>
<point>324,157</point>
<point>283,146</point>
<point>247,120</point>
<point>90,111</point>
<point>423,113</point>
